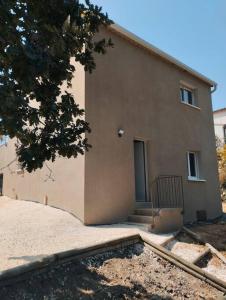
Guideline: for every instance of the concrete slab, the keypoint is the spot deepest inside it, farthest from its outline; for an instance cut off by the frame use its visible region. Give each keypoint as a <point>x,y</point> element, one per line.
<point>189,252</point>
<point>217,268</point>
<point>30,231</point>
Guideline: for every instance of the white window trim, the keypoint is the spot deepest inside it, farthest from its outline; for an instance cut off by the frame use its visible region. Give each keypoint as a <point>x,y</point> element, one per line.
<point>191,106</point>
<point>194,100</point>
<point>196,179</point>
<point>193,178</point>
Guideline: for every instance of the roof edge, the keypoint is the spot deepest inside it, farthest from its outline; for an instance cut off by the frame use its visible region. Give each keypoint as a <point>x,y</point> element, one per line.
<point>131,36</point>
<point>219,110</point>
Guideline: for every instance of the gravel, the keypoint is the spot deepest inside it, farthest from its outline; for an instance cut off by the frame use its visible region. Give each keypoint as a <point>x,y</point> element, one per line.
<point>132,272</point>
<point>30,231</point>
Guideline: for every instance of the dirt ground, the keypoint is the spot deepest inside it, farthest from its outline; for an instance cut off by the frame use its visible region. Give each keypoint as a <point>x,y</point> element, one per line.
<point>214,234</point>
<point>190,250</point>
<point>133,272</point>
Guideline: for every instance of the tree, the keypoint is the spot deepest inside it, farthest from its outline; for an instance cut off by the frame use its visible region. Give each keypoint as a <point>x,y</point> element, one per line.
<point>221,158</point>
<point>219,143</point>
<point>37,41</point>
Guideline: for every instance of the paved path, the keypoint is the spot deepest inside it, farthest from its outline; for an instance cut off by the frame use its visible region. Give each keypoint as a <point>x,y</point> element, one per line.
<point>29,231</point>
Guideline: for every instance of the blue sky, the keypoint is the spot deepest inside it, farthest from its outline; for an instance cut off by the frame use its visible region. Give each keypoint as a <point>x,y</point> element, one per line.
<point>193,31</point>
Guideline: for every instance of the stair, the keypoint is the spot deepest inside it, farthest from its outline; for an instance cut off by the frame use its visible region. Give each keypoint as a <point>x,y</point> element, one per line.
<point>143,215</point>
<point>140,219</point>
<point>159,220</point>
<point>146,212</point>
<point>143,205</point>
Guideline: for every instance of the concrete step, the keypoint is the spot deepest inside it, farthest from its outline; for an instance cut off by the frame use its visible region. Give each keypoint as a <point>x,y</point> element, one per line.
<point>143,204</point>
<point>141,225</point>
<point>189,252</point>
<point>140,219</point>
<point>146,212</point>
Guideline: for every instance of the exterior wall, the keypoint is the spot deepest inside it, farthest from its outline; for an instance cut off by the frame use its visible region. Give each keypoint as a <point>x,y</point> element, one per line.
<point>219,122</point>
<point>139,92</point>
<point>67,189</point>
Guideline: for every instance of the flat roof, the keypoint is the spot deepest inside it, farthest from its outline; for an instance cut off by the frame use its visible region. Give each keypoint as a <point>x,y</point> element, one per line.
<point>134,38</point>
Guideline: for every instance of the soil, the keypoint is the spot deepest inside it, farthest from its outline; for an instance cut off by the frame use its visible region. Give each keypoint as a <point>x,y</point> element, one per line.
<point>189,249</point>
<point>132,272</point>
<point>185,238</point>
<point>214,234</point>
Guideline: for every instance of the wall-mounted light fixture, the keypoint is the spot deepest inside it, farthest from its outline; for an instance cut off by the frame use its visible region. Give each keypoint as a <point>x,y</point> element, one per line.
<point>121,132</point>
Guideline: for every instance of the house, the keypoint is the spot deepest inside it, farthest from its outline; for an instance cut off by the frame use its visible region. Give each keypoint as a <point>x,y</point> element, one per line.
<point>153,143</point>
<point>219,117</point>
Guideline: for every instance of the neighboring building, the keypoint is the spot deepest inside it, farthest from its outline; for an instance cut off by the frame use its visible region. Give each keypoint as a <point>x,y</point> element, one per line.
<point>219,117</point>
<point>150,115</point>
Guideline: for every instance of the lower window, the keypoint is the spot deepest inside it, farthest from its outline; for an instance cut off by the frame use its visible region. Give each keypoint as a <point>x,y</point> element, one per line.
<point>193,165</point>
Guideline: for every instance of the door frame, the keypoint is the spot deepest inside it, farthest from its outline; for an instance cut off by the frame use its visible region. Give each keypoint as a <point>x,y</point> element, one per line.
<point>145,141</point>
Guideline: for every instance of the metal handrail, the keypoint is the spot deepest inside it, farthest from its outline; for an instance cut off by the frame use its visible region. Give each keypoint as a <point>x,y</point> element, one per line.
<point>166,191</point>
<point>167,187</point>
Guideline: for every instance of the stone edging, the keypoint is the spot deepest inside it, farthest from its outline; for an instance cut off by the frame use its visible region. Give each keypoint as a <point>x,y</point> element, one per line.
<point>186,266</point>
<point>19,273</point>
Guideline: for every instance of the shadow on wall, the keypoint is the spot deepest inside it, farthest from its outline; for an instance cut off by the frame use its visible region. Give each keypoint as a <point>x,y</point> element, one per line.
<point>91,278</point>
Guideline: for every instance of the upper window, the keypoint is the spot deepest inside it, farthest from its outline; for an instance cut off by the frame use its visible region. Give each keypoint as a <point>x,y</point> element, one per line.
<point>187,96</point>
<point>193,165</point>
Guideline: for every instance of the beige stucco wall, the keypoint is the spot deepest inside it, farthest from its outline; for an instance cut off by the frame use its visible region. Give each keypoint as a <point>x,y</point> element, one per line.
<point>139,92</point>
<point>65,188</point>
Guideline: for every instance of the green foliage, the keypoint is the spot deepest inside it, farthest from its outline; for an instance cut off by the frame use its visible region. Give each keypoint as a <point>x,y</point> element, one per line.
<point>221,158</point>
<point>37,41</point>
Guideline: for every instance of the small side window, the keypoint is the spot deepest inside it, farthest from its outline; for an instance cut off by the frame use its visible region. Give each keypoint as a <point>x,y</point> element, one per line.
<point>193,165</point>
<point>187,96</point>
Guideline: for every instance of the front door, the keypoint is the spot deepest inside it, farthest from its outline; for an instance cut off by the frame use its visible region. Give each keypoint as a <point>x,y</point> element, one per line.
<point>140,172</point>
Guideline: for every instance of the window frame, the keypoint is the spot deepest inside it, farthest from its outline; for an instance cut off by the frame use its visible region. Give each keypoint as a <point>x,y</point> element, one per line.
<point>192,90</point>
<point>197,173</point>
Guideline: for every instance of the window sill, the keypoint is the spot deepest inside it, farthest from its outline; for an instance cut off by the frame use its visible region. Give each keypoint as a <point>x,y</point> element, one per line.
<point>190,105</point>
<point>196,179</point>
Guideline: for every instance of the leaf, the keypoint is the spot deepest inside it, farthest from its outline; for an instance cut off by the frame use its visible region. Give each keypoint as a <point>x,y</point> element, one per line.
<point>38,40</point>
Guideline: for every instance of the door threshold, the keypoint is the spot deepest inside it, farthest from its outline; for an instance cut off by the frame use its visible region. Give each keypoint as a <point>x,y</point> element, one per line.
<point>143,204</point>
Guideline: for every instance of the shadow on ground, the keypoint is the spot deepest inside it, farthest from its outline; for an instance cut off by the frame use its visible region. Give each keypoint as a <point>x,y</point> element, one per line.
<point>28,258</point>
<point>84,279</point>
<point>132,272</point>
<point>214,234</point>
